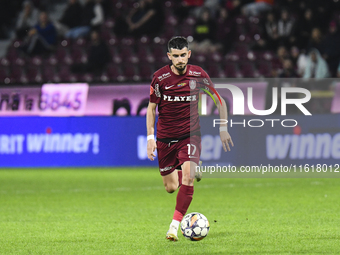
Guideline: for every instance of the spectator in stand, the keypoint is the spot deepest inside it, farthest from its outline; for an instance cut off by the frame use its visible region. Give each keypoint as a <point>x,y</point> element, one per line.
<point>301,63</point>
<point>305,27</point>
<point>92,18</point>
<point>225,30</point>
<point>315,41</point>
<point>331,48</point>
<point>282,53</point>
<point>98,56</point>
<point>70,18</point>
<point>146,19</point>
<point>288,69</point>
<point>294,54</point>
<point>213,6</point>
<point>270,37</point>
<point>204,34</point>
<point>258,7</point>
<point>8,11</point>
<point>316,66</point>
<point>28,17</point>
<point>185,7</point>
<point>233,7</point>
<point>42,38</point>
<point>285,28</point>
<point>292,6</point>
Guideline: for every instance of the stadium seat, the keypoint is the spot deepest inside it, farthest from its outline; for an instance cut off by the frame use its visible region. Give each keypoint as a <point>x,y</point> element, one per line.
<point>64,73</point>
<point>169,32</point>
<point>19,61</point>
<point>125,52</point>
<point>146,72</point>
<point>36,61</point>
<point>17,74</point>
<point>247,69</point>
<point>3,74</point>
<point>231,70</point>
<point>214,70</point>
<point>114,73</point>
<point>215,57</point>
<point>131,72</point>
<point>186,30</point>
<point>241,49</point>
<point>79,43</point>
<point>143,53</point>
<point>231,56</point>
<point>198,59</point>
<point>264,68</point>
<point>62,56</point>
<point>51,60</point>
<point>78,55</point>
<point>88,77</point>
<point>65,43</point>
<point>4,61</point>
<point>159,52</point>
<point>49,73</point>
<point>276,63</point>
<point>33,74</point>
<point>12,54</point>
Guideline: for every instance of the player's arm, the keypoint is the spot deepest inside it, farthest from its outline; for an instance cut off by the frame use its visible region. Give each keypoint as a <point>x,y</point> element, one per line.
<point>224,134</point>
<point>150,127</point>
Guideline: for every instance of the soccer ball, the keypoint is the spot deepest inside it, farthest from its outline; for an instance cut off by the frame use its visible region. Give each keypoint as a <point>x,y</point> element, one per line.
<point>195,226</point>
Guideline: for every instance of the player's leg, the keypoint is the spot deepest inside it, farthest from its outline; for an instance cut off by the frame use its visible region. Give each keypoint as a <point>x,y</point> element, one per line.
<point>172,178</point>
<point>189,159</point>
<point>184,197</point>
<point>171,182</point>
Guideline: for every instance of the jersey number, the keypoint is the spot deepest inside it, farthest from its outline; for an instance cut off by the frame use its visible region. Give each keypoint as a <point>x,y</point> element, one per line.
<point>191,149</point>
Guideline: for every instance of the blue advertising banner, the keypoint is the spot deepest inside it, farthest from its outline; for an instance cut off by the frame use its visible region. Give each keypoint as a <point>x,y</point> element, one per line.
<point>295,139</point>
<point>121,141</point>
<point>73,141</point>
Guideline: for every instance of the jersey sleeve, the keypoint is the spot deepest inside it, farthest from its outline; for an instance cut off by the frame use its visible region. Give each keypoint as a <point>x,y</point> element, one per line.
<point>206,82</point>
<point>155,94</point>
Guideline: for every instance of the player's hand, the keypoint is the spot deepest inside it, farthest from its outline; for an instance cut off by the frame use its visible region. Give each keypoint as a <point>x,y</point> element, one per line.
<point>151,149</point>
<point>226,140</point>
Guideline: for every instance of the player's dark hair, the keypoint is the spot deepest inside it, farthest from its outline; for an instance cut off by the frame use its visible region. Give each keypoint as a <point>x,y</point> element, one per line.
<point>177,42</point>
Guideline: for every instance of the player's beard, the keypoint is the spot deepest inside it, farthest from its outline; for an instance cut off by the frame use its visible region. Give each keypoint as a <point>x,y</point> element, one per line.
<point>181,69</point>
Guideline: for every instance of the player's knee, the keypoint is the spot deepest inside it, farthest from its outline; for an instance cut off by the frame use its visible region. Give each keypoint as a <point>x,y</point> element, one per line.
<point>188,180</point>
<point>170,188</point>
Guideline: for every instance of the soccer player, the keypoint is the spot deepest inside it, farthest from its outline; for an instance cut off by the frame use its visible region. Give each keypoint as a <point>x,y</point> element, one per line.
<point>174,89</point>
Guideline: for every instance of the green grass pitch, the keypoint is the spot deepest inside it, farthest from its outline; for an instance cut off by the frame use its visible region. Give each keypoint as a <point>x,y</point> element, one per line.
<point>127,211</point>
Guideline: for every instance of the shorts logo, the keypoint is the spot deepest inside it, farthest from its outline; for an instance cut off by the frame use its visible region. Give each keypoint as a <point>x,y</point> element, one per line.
<point>157,93</point>
<point>181,84</point>
<point>166,168</point>
<point>192,84</point>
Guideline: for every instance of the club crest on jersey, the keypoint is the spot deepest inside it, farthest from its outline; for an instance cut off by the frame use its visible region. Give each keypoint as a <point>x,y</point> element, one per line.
<point>192,84</point>
<point>181,84</point>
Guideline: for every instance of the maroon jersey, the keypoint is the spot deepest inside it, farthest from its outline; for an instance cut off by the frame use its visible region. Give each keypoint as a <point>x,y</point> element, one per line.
<point>177,98</point>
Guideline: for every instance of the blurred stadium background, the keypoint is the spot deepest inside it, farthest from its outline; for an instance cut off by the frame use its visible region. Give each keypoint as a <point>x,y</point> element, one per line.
<point>233,40</point>
<point>111,48</point>
<point>84,184</point>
